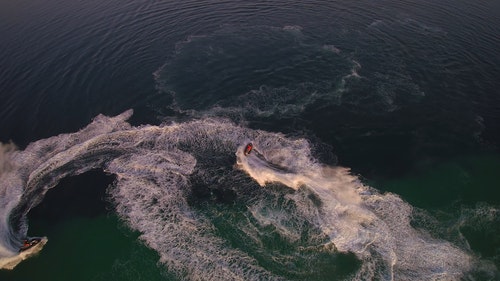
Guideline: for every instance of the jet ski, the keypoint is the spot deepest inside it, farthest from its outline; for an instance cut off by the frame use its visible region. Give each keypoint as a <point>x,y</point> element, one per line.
<point>248,149</point>
<point>28,243</point>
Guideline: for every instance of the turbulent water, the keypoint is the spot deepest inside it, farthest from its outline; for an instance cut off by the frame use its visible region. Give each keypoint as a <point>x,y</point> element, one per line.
<point>157,165</point>
<point>163,97</point>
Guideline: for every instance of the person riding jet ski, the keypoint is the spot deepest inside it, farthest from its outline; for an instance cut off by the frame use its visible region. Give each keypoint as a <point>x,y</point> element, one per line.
<point>28,243</point>
<point>248,149</point>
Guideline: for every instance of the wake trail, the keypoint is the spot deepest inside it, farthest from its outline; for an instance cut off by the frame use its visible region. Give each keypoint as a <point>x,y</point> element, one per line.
<point>155,167</point>
<point>358,219</point>
<point>152,164</point>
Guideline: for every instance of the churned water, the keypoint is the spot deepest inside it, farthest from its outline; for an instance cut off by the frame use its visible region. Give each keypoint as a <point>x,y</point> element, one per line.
<point>374,126</point>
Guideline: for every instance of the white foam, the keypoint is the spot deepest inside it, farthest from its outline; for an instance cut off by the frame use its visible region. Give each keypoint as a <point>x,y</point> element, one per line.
<point>154,166</point>
<point>376,227</point>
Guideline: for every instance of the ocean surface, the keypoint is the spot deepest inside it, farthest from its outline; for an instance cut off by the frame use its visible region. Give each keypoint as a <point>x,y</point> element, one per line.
<point>375,126</point>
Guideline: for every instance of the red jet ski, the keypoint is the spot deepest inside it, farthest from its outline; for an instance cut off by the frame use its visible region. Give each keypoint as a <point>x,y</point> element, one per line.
<point>248,149</point>
<point>28,243</point>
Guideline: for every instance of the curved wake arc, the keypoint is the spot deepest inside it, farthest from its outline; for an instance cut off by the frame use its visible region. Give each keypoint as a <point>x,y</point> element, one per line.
<point>155,168</point>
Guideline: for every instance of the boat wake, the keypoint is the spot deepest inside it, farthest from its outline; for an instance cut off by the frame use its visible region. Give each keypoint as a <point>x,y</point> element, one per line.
<point>324,211</point>
<point>356,218</point>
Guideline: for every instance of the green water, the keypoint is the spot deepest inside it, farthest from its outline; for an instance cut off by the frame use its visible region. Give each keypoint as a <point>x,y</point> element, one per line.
<point>88,242</point>
<point>89,249</point>
<point>465,180</point>
<point>461,194</point>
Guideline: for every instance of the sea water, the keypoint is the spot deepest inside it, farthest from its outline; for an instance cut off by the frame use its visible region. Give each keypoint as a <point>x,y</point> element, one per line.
<point>374,125</point>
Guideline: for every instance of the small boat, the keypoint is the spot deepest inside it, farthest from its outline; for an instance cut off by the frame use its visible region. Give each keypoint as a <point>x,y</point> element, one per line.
<point>28,243</point>
<point>248,149</point>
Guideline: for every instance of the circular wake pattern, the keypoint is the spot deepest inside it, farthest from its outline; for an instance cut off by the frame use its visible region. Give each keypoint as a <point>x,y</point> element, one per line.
<point>255,71</point>
<point>186,188</point>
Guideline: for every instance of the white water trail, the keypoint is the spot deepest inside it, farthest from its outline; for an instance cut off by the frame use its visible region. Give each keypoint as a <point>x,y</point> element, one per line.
<point>27,175</point>
<point>154,166</point>
<point>358,219</point>
<point>7,193</point>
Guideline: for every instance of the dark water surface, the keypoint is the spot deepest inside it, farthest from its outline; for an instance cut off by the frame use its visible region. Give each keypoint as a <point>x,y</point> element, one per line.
<point>404,94</point>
